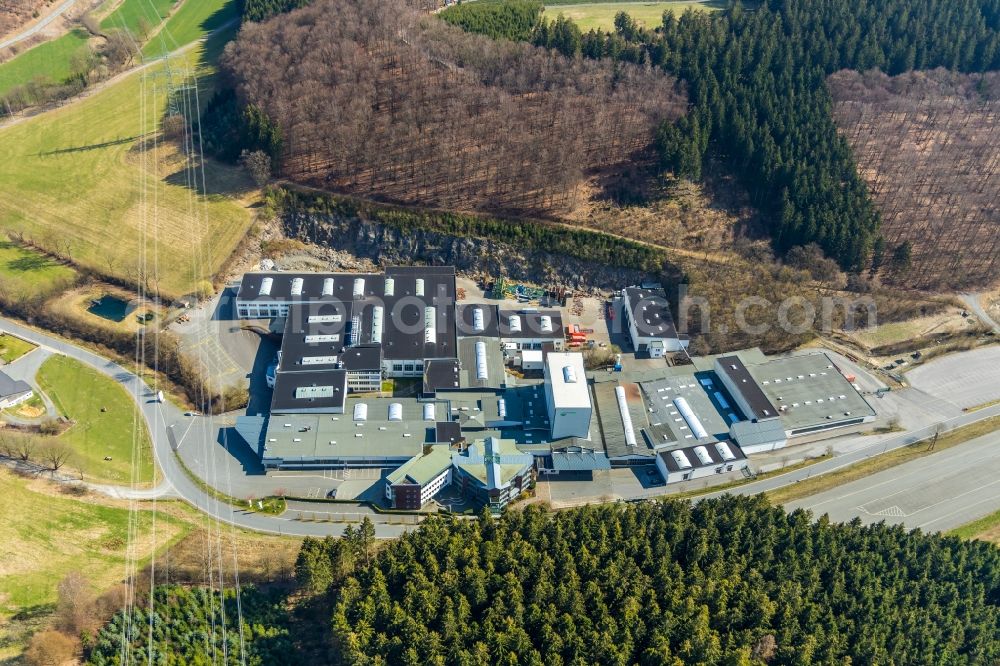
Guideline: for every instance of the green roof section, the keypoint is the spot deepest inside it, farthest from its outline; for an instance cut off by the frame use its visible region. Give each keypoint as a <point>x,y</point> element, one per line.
<point>424,468</point>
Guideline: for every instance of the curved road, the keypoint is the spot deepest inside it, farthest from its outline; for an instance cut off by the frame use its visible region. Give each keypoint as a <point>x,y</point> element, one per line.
<point>38,27</point>
<point>975,303</point>
<point>162,417</point>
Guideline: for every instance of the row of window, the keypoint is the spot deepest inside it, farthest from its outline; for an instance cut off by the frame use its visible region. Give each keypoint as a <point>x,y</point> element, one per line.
<point>255,311</point>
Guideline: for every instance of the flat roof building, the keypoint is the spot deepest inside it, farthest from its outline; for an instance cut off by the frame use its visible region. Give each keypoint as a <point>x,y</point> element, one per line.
<point>744,389</point>
<point>371,432</point>
<point>700,460</point>
<point>310,392</point>
<point>531,328</point>
<point>650,322</point>
<point>567,395</point>
<point>810,394</point>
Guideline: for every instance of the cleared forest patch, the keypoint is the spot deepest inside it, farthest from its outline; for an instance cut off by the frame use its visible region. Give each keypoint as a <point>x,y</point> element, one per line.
<point>927,145</point>
<point>601,15</point>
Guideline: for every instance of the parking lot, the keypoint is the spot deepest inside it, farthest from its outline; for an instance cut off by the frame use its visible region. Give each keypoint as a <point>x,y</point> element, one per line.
<point>215,340</point>
<point>968,379</point>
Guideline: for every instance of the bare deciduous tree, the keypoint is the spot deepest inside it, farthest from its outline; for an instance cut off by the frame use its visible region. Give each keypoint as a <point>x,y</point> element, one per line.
<point>442,117</point>
<point>75,606</point>
<point>55,454</point>
<point>258,165</point>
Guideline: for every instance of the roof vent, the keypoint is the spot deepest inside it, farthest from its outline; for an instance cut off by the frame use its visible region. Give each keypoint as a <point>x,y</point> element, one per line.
<point>430,325</point>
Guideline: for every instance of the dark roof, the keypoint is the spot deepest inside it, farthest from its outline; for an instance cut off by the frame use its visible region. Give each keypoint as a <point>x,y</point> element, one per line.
<point>465,318</point>
<point>10,386</point>
<point>448,432</point>
<point>696,463</point>
<point>531,324</point>
<point>362,358</point>
<point>309,391</point>
<point>317,330</point>
<point>403,337</point>
<point>441,374</point>
<point>312,286</point>
<point>338,322</point>
<point>744,382</point>
<point>650,311</point>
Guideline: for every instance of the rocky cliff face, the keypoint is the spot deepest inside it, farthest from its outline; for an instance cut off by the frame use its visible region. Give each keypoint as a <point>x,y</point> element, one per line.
<point>388,245</point>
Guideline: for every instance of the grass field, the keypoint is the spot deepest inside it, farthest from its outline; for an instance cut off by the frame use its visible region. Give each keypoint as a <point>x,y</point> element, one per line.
<point>49,61</point>
<point>134,15</point>
<point>76,181</point>
<point>192,21</point>
<point>601,15</point>
<point>45,535</point>
<point>80,393</point>
<point>12,348</point>
<point>25,273</point>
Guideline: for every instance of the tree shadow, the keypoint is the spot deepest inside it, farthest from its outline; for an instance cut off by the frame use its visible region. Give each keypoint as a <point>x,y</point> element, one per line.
<point>29,262</point>
<point>209,177</point>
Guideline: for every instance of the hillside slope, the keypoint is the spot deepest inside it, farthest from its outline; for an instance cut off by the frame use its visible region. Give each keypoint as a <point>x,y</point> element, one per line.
<point>401,107</point>
<point>927,145</point>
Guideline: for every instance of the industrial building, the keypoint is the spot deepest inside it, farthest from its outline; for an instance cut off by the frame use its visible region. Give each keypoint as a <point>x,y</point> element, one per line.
<point>473,425</point>
<point>567,395</point>
<point>695,462</point>
<point>649,322</point>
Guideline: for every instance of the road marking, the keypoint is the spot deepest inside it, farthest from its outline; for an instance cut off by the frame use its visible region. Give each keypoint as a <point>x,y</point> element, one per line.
<point>956,461</point>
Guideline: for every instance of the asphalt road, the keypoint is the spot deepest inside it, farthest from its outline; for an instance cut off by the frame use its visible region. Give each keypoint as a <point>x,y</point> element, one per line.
<point>858,455</point>
<point>934,493</point>
<point>41,25</point>
<point>161,419</point>
<point>975,303</point>
<point>166,422</point>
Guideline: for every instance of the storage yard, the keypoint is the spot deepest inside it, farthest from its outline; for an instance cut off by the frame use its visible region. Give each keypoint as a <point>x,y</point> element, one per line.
<point>500,385</point>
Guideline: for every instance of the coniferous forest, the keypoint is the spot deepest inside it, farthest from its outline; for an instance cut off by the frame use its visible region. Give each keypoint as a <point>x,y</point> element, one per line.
<point>727,581</point>
<point>759,99</point>
<point>756,82</point>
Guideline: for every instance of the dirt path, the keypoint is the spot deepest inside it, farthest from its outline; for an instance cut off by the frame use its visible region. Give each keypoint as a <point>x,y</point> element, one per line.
<point>93,90</point>
<point>39,24</point>
<point>975,303</point>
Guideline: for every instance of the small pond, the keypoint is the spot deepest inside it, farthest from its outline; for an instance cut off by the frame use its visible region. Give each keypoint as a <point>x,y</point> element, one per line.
<point>110,307</point>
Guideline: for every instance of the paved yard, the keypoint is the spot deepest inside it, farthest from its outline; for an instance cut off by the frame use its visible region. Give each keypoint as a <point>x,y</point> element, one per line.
<point>966,380</point>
